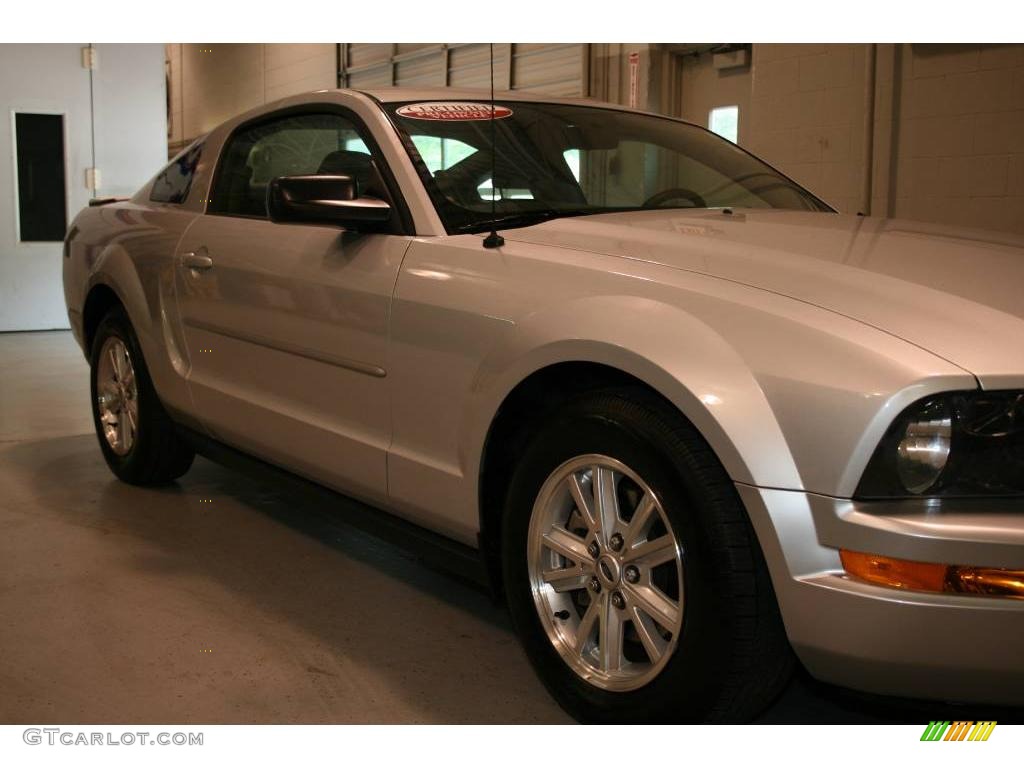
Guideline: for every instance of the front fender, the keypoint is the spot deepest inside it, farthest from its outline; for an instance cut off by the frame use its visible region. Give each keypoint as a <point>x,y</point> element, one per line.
<point>686,361</point>
<point>787,394</point>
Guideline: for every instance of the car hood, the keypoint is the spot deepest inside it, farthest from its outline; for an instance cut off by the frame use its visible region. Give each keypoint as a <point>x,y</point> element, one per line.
<point>958,293</point>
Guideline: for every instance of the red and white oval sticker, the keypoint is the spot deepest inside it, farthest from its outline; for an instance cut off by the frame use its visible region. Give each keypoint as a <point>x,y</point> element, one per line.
<point>452,110</point>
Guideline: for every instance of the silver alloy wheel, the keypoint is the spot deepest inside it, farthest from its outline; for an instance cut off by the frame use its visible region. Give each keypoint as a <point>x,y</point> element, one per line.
<point>117,397</point>
<point>606,572</point>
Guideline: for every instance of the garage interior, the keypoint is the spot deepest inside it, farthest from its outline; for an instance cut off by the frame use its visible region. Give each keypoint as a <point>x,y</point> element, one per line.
<point>222,600</point>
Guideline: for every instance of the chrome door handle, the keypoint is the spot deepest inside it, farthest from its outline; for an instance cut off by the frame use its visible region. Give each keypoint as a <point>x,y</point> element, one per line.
<point>198,261</point>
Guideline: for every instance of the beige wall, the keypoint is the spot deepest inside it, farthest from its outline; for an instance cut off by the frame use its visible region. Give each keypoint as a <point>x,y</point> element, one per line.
<point>704,88</point>
<point>960,135</point>
<point>211,82</point>
<point>948,130</point>
<point>806,116</point>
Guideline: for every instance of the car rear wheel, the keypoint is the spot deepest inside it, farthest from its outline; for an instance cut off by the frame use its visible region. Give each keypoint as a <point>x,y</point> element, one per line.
<point>137,437</point>
<point>633,577</point>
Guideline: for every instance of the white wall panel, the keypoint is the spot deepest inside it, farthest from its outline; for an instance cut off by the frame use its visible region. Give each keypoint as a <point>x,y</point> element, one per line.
<point>131,136</point>
<point>131,116</point>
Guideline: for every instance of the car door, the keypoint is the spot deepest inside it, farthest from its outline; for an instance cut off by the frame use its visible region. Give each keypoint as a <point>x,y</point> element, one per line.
<point>287,324</point>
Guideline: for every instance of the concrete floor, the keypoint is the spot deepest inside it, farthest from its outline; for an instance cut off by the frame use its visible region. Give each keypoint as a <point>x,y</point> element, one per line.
<point>219,601</point>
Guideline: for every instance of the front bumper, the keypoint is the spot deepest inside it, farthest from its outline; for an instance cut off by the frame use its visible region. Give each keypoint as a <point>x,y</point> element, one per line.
<point>889,641</point>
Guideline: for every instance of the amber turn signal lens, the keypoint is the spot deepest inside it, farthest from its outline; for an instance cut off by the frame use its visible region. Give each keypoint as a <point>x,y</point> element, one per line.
<point>889,572</point>
<point>933,577</point>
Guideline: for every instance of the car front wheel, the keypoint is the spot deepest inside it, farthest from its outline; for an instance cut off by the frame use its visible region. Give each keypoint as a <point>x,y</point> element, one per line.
<point>632,574</point>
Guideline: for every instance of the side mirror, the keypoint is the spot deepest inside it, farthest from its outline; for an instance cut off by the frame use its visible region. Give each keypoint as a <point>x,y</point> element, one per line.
<point>324,200</point>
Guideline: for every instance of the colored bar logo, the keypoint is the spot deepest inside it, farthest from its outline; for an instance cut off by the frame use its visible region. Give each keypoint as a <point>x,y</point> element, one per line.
<point>962,730</point>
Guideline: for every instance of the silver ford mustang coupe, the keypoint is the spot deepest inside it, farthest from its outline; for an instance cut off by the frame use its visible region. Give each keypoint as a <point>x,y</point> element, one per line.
<point>692,424</point>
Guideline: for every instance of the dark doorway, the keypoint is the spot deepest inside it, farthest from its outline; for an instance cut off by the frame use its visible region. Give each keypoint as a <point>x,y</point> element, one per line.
<point>42,203</point>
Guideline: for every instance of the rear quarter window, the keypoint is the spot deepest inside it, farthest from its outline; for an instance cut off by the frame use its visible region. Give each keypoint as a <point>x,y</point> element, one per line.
<point>172,184</point>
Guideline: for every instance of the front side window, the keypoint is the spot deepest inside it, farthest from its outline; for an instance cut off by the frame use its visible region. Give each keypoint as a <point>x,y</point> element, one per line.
<point>297,145</point>
<point>554,159</point>
<point>173,183</point>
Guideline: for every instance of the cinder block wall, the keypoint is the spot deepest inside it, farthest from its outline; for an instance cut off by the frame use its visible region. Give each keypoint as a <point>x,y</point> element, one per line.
<point>948,128</point>
<point>806,116</point>
<point>959,113</point>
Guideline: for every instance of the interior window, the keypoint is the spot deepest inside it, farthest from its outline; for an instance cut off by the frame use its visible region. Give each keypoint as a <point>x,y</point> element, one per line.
<point>173,182</point>
<point>441,154</point>
<point>290,146</point>
<point>725,121</point>
<point>356,144</point>
<point>572,159</point>
<point>487,191</point>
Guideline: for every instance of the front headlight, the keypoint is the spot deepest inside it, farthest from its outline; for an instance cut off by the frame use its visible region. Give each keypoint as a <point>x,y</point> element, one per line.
<point>955,444</point>
<point>923,451</point>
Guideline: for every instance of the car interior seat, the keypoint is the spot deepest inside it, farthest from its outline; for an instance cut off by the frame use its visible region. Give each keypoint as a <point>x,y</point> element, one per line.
<point>359,166</point>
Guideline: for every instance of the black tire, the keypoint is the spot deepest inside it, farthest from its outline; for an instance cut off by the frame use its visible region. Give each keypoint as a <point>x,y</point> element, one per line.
<point>158,454</point>
<point>732,657</point>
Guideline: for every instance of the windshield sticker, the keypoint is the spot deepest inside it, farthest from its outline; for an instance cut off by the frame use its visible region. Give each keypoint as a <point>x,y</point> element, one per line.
<point>452,110</point>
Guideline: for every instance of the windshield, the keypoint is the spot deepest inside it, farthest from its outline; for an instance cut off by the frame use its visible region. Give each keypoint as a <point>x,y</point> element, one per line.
<point>560,160</point>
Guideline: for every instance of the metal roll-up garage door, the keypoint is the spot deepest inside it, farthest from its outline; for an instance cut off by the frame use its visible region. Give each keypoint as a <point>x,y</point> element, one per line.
<point>419,64</point>
<point>369,65</point>
<point>556,69</point>
<point>469,66</point>
<point>552,69</point>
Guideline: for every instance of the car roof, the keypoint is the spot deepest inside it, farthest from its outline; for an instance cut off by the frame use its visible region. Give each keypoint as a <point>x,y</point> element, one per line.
<point>392,94</point>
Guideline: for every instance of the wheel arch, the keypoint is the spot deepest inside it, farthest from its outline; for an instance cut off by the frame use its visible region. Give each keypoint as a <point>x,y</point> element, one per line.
<point>114,278</point>
<point>117,281</point>
<point>538,395</point>
<point>100,299</point>
<point>593,365</point>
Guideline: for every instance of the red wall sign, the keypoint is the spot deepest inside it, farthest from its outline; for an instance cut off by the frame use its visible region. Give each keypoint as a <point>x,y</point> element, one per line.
<point>634,78</point>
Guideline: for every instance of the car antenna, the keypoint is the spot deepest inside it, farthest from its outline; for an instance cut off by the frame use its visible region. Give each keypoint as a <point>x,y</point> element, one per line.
<point>493,240</point>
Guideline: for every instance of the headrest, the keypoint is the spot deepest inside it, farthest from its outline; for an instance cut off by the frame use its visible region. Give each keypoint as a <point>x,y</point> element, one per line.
<point>346,162</point>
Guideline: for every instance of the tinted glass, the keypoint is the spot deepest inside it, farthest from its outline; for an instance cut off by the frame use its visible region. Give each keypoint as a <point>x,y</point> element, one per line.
<point>174,181</point>
<point>42,202</point>
<point>290,146</point>
<point>574,160</point>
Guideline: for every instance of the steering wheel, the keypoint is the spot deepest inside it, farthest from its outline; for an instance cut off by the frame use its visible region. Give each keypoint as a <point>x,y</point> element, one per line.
<point>675,193</point>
